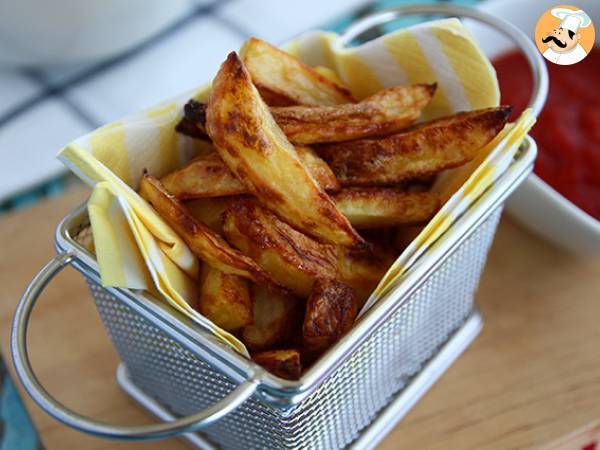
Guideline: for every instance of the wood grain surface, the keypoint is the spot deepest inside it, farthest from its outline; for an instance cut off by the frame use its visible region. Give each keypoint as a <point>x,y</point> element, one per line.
<point>531,380</point>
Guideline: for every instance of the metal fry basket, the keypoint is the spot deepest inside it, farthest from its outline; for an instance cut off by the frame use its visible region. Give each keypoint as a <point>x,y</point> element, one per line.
<point>350,397</point>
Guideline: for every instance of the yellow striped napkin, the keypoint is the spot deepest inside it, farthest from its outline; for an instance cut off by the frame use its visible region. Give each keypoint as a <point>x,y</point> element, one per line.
<point>135,248</point>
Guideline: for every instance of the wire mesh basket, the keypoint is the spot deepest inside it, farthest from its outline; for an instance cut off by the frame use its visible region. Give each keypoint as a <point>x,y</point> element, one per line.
<point>354,393</point>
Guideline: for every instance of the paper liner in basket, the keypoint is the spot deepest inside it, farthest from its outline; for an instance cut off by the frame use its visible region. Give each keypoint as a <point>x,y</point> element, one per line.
<point>136,249</point>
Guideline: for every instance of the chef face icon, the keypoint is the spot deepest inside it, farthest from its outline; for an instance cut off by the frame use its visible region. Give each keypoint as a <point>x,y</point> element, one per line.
<point>559,35</point>
<point>561,40</point>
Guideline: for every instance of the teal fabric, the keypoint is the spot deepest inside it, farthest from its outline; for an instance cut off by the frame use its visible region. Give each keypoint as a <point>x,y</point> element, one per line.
<point>16,429</point>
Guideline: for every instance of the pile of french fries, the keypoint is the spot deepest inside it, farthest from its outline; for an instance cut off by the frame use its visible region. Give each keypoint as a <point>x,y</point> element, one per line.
<point>290,168</point>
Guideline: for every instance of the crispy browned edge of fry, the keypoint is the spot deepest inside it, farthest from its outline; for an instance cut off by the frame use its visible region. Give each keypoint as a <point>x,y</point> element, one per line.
<point>194,119</point>
<point>348,159</point>
<point>264,232</point>
<point>213,249</point>
<point>398,207</point>
<point>383,113</point>
<point>282,363</point>
<point>239,127</point>
<point>275,96</point>
<point>330,313</point>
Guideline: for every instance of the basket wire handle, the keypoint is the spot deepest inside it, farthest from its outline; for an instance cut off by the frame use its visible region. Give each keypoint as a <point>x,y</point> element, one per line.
<point>74,420</point>
<point>535,60</point>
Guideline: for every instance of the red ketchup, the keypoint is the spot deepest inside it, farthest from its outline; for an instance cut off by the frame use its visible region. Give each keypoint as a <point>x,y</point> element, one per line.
<point>568,129</point>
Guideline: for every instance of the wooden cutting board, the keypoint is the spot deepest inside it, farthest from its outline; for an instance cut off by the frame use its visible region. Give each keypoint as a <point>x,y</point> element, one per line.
<point>531,379</point>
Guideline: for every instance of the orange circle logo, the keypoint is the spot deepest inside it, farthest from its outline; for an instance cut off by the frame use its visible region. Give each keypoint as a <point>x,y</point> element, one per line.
<point>564,35</point>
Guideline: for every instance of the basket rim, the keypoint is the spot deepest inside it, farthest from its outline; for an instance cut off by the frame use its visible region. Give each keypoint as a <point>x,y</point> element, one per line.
<point>272,390</point>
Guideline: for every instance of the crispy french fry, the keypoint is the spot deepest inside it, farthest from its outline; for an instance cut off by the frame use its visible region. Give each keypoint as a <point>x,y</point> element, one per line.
<point>318,168</point>
<point>204,176</point>
<point>210,211</point>
<point>292,258</point>
<point>284,80</point>
<point>208,176</point>
<point>190,128</point>
<point>385,112</point>
<point>330,312</point>
<point>225,299</point>
<point>193,122</point>
<point>275,315</point>
<point>362,270</point>
<point>383,207</point>
<point>425,150</point>
<point>202,241</point>
<point>282,363</point>
<point>260,156</point>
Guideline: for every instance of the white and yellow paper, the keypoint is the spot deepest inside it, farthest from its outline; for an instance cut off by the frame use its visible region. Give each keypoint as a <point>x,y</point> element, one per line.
<point>136,249</point>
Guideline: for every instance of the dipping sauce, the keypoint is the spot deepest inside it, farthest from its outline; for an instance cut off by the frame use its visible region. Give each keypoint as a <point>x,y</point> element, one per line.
<point>568,129</point>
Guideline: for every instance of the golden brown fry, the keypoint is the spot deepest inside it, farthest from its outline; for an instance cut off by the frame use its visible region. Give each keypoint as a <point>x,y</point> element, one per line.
<point>204,176</point>
<point>388,111</point>
<point>330,312</point>
<point>202,241</point>
<point>225,299</point>
<point>292,258</point>
<point>190,128</point>
<point>274,319</point>
<point>208,176</point>
<point>282,363</point>
<point>383,207</point>
<point>210,211</point>
<point>284,80</point>
<point>318,168</point>
<point>362,270</point>
<point>424,150</point>
<point>260,156</point>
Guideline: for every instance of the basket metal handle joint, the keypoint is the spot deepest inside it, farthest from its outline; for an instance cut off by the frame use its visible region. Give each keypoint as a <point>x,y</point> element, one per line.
<point>85,424</point>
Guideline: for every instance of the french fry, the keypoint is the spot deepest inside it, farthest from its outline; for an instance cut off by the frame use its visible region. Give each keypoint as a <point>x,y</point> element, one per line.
<point>210,211</point>
<point>282,363</point>
<point>225,299</point>
<point>283,80</point>
<point>260,156</point>
<point>204,176</point>
<point>330,312</point>
<point>362,270</point>
<point>425,150</point>
<point>194,120</point>
<point>208,176</point>
<point>275,315</point>
<point>202,241</point>
<point>292,258</point>
<point>385,112</point>
<point>318,168</point>
<point>384,207</point>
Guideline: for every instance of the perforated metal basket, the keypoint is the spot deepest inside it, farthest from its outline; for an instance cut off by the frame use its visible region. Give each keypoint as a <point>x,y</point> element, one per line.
<point>349,397</point>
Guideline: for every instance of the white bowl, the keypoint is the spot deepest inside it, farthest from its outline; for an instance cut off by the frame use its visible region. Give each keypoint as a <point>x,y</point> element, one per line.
<point>58,32</point>
<point>535,204</point>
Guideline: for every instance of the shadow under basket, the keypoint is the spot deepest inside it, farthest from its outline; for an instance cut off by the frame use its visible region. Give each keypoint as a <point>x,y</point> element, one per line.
<point>350,397</point>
